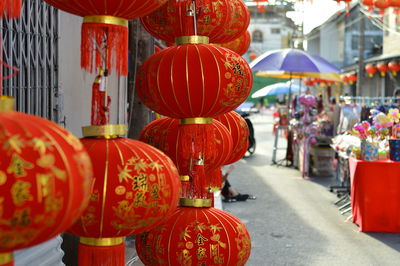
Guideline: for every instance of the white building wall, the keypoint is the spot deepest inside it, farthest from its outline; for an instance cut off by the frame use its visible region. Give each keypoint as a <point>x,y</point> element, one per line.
<point>271,41</point>
<point>329,43</point>
<point>391,39</point>
<point>76,85</point>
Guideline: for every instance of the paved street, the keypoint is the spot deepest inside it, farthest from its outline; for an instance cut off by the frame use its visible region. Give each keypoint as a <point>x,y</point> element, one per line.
<point>293,221</point>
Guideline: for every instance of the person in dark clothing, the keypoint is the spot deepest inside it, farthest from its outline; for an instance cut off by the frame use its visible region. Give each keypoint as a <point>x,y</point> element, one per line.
<point>229,193</point>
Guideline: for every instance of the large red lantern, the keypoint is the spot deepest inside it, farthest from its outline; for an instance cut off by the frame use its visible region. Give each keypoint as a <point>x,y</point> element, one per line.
<point>239,45</point>
<point>394,66</point>
<point>45,177</point>
<point>176,19</point>
<point>200,236</point>
<point>10,8</point>
<point>135,188</point>
<point>382,68</point>
<point>370,69</point>
<point>239,131</point>
<point>167,135</point>
<point>194,80</point>
<point>238,22</point>
<point>105,29</point>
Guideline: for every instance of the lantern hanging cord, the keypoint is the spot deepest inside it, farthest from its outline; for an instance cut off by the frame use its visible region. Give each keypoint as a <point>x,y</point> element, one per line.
<point>195,17</point>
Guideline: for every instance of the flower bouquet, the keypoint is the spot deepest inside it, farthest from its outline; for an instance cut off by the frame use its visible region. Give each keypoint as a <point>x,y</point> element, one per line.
<point>369,136</point>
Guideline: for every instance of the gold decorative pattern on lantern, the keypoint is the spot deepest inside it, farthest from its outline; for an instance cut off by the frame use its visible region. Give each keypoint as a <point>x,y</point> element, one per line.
<point>197,203</point>
<point>106,131</point>
<point>106,20</point>
<point>7,104</point>
<point>196,121</point>
<point>195,39</point>
<point>103,242</point>
<point>6,258</point>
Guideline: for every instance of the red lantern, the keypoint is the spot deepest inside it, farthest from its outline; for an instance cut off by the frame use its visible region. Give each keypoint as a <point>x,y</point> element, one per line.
<point>239,45</point>
<point>175,19</point>
<point>382,68</point>
<point>238,22</point>
<point>308,82</point>
<point>345,79</point>
<point>394,66</point>
<point>45,177</point>
<point>105,27</point>
<point>239,131</point>
<point>381,5</point>
<point>352,78</point>
<point>167,135</point>
<point>252,56</point>
<point>215,81</point>
<point>10,8</point>
<point>370,69</point>
<point>200,236</point>
<point>369,4</point>
<point>135,188</point>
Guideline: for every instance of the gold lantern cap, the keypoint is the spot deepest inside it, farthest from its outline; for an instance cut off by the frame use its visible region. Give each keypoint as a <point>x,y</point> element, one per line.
<point>104,19</point>
<point>197,203</point>
<point>102,242</point>
<point>106,131</point>
<point>196,121</point>
<point>7,104</point>
<point>194,39</point>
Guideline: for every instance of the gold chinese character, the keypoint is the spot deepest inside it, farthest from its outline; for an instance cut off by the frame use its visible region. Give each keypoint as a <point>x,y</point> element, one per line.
<point>140,183</point>
<point>155,195</point>
<point>200,240</point>
<point>20,192</point>
<point>44,187</point>
<point>139,199</point>
<point>201,253</point>
<point>18,166</point>
<point>21,218</point>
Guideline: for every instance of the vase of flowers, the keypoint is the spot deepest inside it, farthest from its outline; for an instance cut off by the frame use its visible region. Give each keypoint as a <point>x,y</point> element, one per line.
<point>369,145</point>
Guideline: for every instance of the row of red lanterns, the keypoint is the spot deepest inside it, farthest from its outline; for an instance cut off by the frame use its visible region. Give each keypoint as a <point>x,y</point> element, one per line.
<point>382,5</point>
<point>349,78</point>
<point>382,68</point>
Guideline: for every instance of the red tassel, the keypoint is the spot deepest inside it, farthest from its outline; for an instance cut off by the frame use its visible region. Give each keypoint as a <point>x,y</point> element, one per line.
<point>101,255</point>
<point>10,8</point>
<point>214,178</point>
<point>109,39</point>
<point>195,141</point>
<point>199,187</point>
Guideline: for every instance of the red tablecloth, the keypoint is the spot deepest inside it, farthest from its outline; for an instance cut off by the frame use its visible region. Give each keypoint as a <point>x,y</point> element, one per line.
<point>375,195</point>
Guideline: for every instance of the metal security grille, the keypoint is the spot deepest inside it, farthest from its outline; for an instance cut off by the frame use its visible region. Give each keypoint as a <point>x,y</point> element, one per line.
<point>30,43</point>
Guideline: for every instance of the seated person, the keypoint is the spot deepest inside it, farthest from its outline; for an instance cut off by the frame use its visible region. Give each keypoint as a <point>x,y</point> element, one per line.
<point>230,194</point>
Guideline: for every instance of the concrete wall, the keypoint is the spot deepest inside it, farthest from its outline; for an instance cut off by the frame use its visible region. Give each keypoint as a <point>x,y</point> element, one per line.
<point>391,40</point>
<point>76,85</point>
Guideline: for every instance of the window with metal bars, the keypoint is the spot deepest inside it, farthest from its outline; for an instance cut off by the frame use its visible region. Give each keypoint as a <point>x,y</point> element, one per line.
<point>29,52</point>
